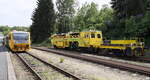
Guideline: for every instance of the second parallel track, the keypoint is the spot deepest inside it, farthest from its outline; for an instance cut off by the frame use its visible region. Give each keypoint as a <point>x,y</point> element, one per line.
<point>116,64</point>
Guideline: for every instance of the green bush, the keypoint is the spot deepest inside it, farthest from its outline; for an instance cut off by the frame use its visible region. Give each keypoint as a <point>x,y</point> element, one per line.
<point>61,60</point>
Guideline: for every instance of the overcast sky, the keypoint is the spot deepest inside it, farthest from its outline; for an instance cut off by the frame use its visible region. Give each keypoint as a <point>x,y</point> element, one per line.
<point>19,12</point>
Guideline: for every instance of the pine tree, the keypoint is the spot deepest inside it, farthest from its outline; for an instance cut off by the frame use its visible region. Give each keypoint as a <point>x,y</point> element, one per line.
<point>127,8</point>
<point>148,5</point>
<point>43,21</point>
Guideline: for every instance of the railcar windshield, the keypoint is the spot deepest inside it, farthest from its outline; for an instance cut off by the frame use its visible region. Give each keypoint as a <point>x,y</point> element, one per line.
<point>20,36</point>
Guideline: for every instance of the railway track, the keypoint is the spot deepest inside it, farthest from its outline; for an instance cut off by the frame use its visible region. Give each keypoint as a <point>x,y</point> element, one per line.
<point>143,59</point>
<point>138,59</point>
<point>116,64</point>
<point>65,73</point>
<point>29,67</point>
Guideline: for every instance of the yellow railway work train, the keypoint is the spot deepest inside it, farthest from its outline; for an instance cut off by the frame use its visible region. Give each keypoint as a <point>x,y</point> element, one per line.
<point>93,41</point>
<point>18,41</point>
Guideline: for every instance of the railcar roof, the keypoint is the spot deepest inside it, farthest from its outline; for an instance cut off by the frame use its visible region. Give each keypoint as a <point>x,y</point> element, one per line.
<point>19,32</point>
<point>62,34</point>
<point>91,31</point>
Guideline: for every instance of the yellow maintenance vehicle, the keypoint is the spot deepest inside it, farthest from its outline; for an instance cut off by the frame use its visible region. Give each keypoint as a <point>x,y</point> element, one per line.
<point>93,41</point>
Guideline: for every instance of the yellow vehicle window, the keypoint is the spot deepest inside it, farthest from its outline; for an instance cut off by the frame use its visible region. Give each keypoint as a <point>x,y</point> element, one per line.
<point>98,36</point>
<point>92,35</point>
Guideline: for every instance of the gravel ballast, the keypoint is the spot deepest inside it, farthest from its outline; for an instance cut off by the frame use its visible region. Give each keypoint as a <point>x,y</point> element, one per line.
<point>111,58</point>
<point>87,70</point>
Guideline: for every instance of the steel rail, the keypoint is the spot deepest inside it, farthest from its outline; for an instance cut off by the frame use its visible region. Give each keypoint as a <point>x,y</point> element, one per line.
<point>144,59</point>
<point>133,58</point>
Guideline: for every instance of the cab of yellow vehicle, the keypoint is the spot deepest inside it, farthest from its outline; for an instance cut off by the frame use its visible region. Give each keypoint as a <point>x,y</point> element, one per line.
<point>91,38</point>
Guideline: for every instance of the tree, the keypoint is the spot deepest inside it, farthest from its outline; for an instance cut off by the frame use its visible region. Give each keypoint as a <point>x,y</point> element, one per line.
<point>138,27</point>
<point>89,17</point>
<point>104,18</point>
<point>79,18</point>
<point>148,5</point>
<point>6,29</point>
<point>43,21</point>
<point>86,17</point>
<point>127,8</point>
<point>65,15</point>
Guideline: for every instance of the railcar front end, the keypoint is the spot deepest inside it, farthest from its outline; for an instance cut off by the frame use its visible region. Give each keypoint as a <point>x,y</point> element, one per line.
<point>19,41</point>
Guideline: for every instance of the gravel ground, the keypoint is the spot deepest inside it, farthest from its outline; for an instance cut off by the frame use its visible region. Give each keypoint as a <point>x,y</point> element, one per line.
<point>87,70</point>
<point>21,71</point>
<point>114,59</point>
<point>45,71</point>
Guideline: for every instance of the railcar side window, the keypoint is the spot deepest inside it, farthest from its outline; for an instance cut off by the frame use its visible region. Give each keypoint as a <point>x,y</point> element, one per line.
<point>87,36</point>
<point>92,35</point>
<point>98,36</point>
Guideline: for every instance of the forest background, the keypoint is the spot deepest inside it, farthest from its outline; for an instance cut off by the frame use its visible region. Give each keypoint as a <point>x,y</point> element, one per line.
<point>123,20</point>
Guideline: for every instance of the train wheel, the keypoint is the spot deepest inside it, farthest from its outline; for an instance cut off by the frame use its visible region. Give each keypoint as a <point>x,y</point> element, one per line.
<point>71,46</point>
<point>55,47</point>
<point>66,48</point>
<point>85,50</point>
<point>91,49</point>
<point>100,51</point>
<point>142,54</point>
<point>76,45</point>
<point>103,51</point>
<point>96,50</point>
<point>138,52</point>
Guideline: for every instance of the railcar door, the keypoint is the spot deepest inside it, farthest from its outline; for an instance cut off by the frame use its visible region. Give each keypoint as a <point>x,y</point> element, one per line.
<point>10,40</point>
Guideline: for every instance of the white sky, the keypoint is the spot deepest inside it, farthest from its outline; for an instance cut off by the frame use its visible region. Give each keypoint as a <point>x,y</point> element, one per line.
<point>19,12</point>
